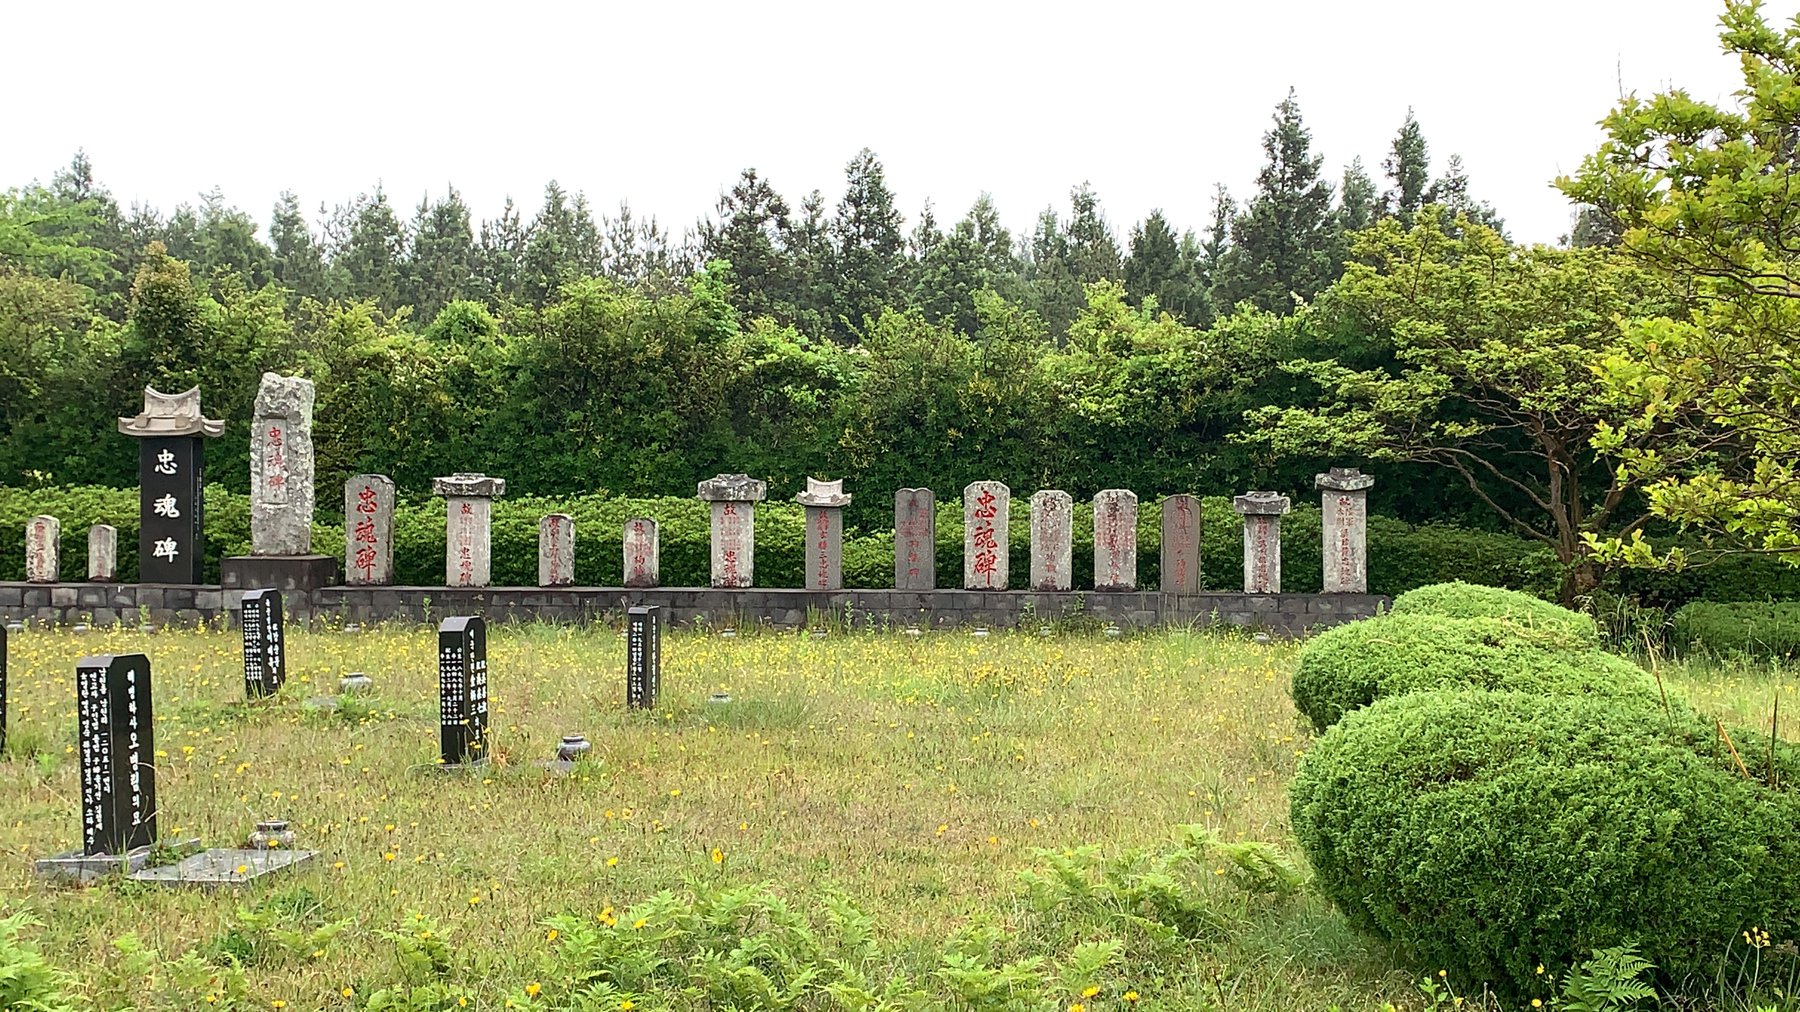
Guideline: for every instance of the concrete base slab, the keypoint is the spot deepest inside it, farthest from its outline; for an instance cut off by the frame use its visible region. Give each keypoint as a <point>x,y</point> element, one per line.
<point>75,866</point>
<point>224,866</point>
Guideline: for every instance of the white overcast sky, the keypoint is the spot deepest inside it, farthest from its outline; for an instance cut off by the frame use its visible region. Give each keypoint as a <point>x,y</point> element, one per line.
<point>663,103</point>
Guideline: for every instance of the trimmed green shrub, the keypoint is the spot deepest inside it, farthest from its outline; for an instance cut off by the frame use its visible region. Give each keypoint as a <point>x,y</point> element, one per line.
<point>1488,833</point>
<point>1760,629</point>
<point>1355,664</point>
<point>1470,600</point>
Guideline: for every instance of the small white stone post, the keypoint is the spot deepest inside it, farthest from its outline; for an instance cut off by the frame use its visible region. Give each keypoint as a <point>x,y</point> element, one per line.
<point>468,526</point>
<point>43,549</point>
<point>824,502</point>
<point>642,553</point>
<point>103,553</point>
<point>1052,554</point>
<point>556,550</point>
<point>733,498</point>
<point>1344,507</point>
<point>1115,539</point>
<point>1262,512</point>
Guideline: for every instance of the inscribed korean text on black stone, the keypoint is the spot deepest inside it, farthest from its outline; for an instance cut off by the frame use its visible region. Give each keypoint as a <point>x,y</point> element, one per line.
<point>462,690</point>
<point>265,644</point>
<point>643,657</point>
<point>117,751</point>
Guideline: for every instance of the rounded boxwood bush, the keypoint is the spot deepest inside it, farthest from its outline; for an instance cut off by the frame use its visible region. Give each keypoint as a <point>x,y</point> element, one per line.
<point>1490,832</point>
<point>1472,600</point>
<point>1353,665</point>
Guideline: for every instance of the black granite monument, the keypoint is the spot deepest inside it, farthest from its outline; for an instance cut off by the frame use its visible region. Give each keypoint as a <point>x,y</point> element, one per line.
<point>115,740</point>
<point>265,644</point>
<point>643,657</point>
<point>462,690</point>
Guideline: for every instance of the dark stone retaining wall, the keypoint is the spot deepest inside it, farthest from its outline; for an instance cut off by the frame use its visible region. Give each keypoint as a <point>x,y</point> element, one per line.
<point>166,604</point>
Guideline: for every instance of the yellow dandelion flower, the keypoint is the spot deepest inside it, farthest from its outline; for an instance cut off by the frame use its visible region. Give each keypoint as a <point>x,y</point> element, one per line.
<point>718,856</point>
<point>1130,996</point>
<point>533,988</point>
<point>1090,991</point>
<point>552,935</point>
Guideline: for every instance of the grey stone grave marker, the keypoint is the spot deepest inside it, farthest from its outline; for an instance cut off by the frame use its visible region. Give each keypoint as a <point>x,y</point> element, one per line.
<point>103,553</point>
<point>1181,545</point>
<point>642,553</point>
<point>1052,551</point>
<point>43,549</point>
<point>171,466</point>
<point>733,498</point>
<point>462,690</point>
<point>643,657</point>
<point>1115,539</point>
<point>468,526</point>
<point>1262,512</point>
<point>556,550</point>
<point>281,467</point>
<point>824,502</point>
<point>987,509</point>
<point>369,530</point>
<point>265,643</point>
<point>915,539</point>
<point>1344,502</point>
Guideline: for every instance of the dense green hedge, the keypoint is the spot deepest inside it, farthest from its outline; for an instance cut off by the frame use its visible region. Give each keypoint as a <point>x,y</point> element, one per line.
<point>1400,554</point>
<point>1466,600</point>
<point>1757,628</point>
<point>1489,833</point>
<point>1353,665</point>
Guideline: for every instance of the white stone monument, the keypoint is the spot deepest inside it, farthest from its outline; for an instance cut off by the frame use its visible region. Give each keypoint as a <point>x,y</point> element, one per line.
<point>987,508</point>
<point>1262,512</point>
<point>824,502</point>
<point>1344,507</point>
<point>643,550</point>
<point>915,539</point>
<point>1181,545</point>
<point>733,498</point>
<point>1115,539</point>
<point>369,530</point>
<point>468,526</point>
<point>103,553</point>
<point>1052,546</point>
<point>43,549</point>
<point>556,550</point>
<point>281,467</point>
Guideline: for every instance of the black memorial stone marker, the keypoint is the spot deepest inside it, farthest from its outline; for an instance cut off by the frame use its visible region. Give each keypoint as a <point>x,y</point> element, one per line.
<point>172,532</point>
<point>117,750</point>
<point>265,644</point>
<point>643,656</point>
<point>462,690</point>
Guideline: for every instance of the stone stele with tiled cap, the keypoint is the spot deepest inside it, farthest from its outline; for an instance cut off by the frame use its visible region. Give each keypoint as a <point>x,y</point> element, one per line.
<point>733,498</point>
<point>468,526</point>
<point>824,502</point>
<point>1262,512</point>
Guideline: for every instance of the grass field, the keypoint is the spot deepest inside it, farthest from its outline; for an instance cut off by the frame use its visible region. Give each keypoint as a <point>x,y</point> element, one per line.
<point>918,776</point>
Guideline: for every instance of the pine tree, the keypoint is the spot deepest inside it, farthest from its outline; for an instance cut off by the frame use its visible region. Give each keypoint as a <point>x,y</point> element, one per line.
<point>1093,252</point>
<point>1452,191</point>
<point>1408,171</point>
<point>1160,269</point>
<point>298,260</point>
<point>500,254</point>
<point>367,249</point>
<point>562,244</point>
<point>1358,203</point>
<point>815,293</point>
<point>1055,292</point>
<point>752,232</point>
<point>440,266</point>
<point>1284,244</point>
<point>870,250</point>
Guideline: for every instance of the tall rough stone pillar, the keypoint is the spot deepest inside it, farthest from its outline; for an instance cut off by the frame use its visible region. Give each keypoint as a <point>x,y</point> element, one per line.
<point>643,550</point>
<point>1344,507</point>
<point>556,550</point>
<point>369,530</point>
<point>468,526</point>
<point>987,509</point>
<point>172,438</point>
<point>1052,553</point>
<point>1181,545</point>
<point>915,539</point>
<point>824,502</point>
<point>1262,513</point>
<point>103,553</point>
<point>43,549</point>
<point>1115,539</point>
<point>734,498</point>
<point>281,495</point>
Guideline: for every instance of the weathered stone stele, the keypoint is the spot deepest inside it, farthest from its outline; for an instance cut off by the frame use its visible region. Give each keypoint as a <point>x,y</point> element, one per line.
<point>987,509</point>
<point>103,553</point>
<point>281,467</point>
<point>1262,512</point>
<point>1344,505</point>
<point>369,530</point>
<point>733,498</point>
<point>1181,545</point>
<point>824,502</point>
<point>1115,539</point>
<point>643,553</point>
<point>468,526</point>
<point>556,550</point>
<point>43,549</point>
<point>1052,545</point>
<point>915,539</point>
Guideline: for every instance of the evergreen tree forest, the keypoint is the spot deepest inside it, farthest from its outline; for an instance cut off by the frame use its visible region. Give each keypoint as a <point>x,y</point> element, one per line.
<point>574,349</point>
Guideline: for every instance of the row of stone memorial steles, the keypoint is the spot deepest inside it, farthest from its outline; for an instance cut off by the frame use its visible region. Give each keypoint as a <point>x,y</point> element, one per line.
<point>369,509</point>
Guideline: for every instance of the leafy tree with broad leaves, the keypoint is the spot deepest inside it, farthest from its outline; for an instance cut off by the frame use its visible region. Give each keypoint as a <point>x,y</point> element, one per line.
<point>1709,197</point>
<point>1494,349</point>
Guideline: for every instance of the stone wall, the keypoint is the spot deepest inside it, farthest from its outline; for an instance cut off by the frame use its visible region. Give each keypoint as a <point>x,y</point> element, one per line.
<point>105,604</point>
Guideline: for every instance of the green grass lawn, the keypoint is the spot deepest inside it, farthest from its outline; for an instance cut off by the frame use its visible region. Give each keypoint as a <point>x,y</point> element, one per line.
<point>919,776</point>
